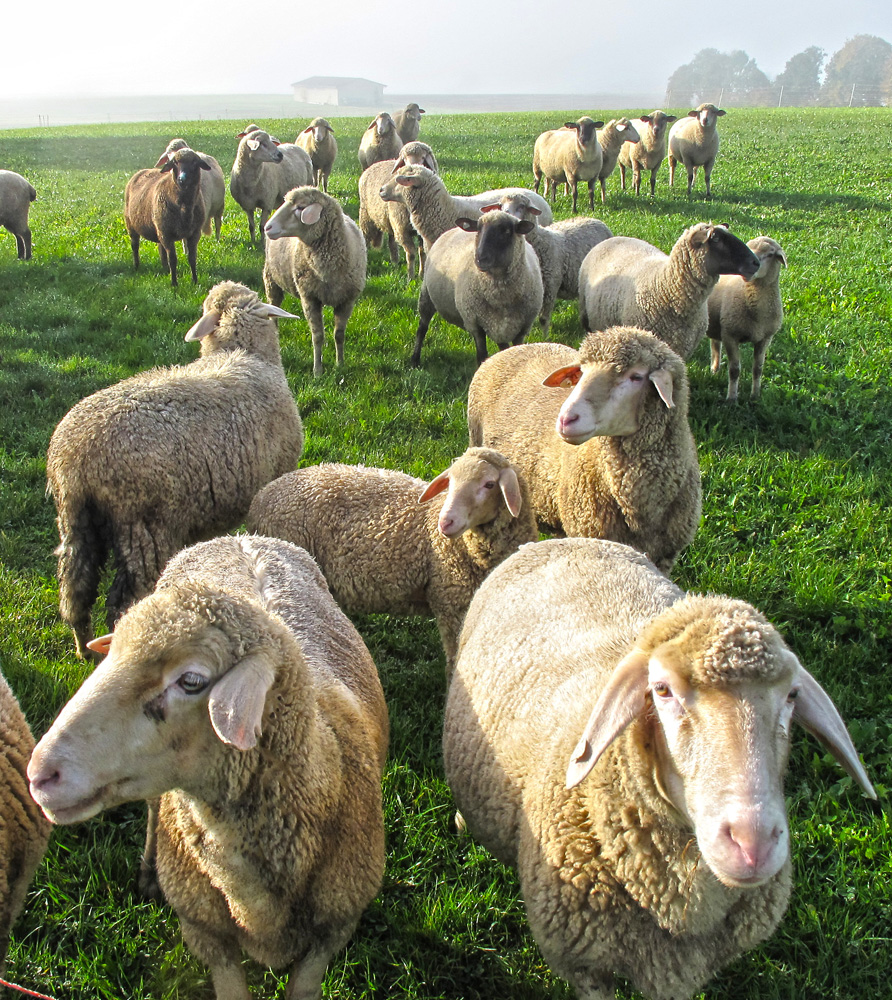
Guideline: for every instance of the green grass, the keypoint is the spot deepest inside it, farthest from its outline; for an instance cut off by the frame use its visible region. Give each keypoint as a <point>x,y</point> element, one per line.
<point>796,519</point>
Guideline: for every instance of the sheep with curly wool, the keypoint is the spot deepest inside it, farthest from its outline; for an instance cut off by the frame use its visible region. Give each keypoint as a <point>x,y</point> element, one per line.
<point>170,456</point>
<point>318,141</point>
<point>623,745</point>
<point>387,542</point>
<point>16,195</point>
<point>611,139</point>
<point>568,156</point>
<point>648,153</point>
<point>380,141</point>
<point>241,694</point>
<point>625,281</point>
<point>408,122</point>
<point>694,142</point>
<point>600,435</point>
<point>213,186</point>
<point>747,312</point>
<point>315,251</point>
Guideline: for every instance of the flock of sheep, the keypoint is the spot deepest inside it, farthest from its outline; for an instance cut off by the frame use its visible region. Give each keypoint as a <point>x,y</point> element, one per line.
<point>620,742</point>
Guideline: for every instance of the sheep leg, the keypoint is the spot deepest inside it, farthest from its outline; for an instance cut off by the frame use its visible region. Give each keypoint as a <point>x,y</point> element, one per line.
<point>573,187</point>
<point>218,222</point>
<point>480,343</point>
<point>313,313</point>
<point>139,561</point>
<point>172,261</point>
<point>393,250</point>
<point>23,244</point>
<point>636,179</point>
<point>672,162</point>
<point>264,218</point>
<point>538,176</point>
<point>147,880</point>
<point>707,173</point>
<point>250,224</point>
<point>603,190</point>
<point>622,174</point>
<point>653,180</point>
<point>191,256</point>
<point>715,349</point>
<point>274,293</point>
<point>732,349</point>
<point>341,316</point>
<point>760,349</point>
<point>305,981</point>
<point>545,314</point>
<point>692,170</point>
<point>426,313</point>
<point>134,248</point>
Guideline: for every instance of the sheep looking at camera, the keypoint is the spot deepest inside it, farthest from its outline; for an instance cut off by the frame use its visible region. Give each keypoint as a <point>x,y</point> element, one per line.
<point>611,139</point>
<point>380,141</point>
<point>569,155</point>
<point>408,122</point>
<point>213,186</point>
<point>648,153</point>
<point>694,142</point>
<point>318,141</point>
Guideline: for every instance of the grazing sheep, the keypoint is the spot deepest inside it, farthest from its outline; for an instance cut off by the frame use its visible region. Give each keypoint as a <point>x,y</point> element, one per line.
<point>322,260</point>
<point>264,171</point>
<point>164,204</point>
<point>170,456</point>
<point>611,458</point>
<point>408,122</point>
<point>662,852</point>
<point>747,312</point>
<point>434,210</point>
<point>483,277</point>
<point>383,547</point>
<point>23,830</point>
<point>611,139</point>
<point>380,141</point>
<point>568,156</point>
<point>694,142</point>
<point>319,142</point>
<point>213,186</point>
<point>624,281</point>
<point>16,195</point>
<point>242,695</point>
<point>648,153</point>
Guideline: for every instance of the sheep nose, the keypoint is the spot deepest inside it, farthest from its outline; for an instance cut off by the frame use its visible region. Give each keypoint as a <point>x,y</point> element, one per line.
<point>446,525</point>
<point>752,845</point>
<point>566,420</point>
<point>41,774</point>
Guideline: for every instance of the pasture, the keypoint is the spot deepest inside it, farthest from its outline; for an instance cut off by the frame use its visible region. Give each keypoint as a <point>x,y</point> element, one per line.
<point>797,520</point>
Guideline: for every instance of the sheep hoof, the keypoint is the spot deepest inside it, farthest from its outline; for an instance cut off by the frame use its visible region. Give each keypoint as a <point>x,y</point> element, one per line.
<point>458,821</point>
<point>147,881</point>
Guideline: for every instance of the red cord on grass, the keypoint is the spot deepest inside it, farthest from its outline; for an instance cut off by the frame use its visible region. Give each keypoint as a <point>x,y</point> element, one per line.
<point>21,989</point>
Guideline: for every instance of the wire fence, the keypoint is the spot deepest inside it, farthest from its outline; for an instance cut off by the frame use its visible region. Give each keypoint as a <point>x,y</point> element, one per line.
<point>854,96</point>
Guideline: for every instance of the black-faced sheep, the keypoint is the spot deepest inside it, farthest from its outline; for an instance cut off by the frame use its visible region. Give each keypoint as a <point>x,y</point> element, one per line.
<point>16,195</point>
<point>648,153</point>
<point>213,186</point>
<point>568,156</point>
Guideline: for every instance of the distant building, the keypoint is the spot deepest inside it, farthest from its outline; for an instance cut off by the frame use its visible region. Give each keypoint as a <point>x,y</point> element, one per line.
<point>343,90</point>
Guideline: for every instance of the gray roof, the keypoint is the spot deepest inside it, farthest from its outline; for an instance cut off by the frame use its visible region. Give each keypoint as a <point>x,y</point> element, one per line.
<point>333,81</point>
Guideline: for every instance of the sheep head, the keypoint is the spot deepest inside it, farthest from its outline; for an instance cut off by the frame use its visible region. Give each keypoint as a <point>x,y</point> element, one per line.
<point>770,255</point>
<point>219,329</point>
<point>707,115</point>
<point>586,130</point>
<point>300,214</point>
<point>496,232</point>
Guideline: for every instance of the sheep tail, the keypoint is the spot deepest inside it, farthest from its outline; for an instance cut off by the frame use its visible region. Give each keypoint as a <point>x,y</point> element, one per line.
<point>82,552</point>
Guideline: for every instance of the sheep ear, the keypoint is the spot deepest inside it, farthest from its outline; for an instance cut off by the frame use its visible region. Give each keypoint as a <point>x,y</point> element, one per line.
<point>815,712</point>
<point>309,128</point>
<point>405,181</point>
<point>693,114</point>
<point>720,113</point>
<point>401,162</point>
<point>164,167</point>
<point>620,127</point>
<point>312,213</point>
<point>164,158</point>
<point>524,226</point>
<point>783,258</point>
<point>572,125</point>
<point>430,162</point>
<point>253,144</point>
<point>434,487</point>
<point>237,701</point>
<point>101,644</point>
<point>468,225</point>
<point>662,379</point>
<point>568,375</point>
<point>269,311</point>
<point>204,165</point>
<point>646,118</point>
<point>671,118</point>
<point>510,488</point>
<point>619,703</point>
<point>599,124</point>
<point>490,208</point>
<point>207,324</point>
<point>374,122</point>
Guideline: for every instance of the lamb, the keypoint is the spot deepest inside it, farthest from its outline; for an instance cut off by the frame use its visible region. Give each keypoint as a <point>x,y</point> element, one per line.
<point>483,277</point>
<point>694,142</point>
<point>648,153</point>
<point>611,139</point>
<point>569,155</point>
<point>264,171</point>
<point>434,210</point>
<point>380,141</point>
<point>742,312</point>
<point>387,542</point>
<point>408,122</point>
<point>164,204</point>
<point>16,195</point>
<point>23,830</point>
<point>630,282</point>
<point>170,456</point>
<point>613,457</point>
<point>318,140</point>
<point>662,852</point>
<point>242,695</point>
<point>213,186</point>
<point>324,263</point>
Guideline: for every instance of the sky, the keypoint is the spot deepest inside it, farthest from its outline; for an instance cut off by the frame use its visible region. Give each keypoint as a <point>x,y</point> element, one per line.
<point>109,48</point>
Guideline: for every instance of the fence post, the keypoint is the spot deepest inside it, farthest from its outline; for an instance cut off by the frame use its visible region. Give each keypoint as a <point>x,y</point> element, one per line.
<point>780,96</point>
<point>852,97</point>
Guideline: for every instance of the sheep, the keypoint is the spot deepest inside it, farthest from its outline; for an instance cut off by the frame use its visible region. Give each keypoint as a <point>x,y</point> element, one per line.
<point>630,282</point>
<point>23,830</point>
<point>569,155</point>
<point>613,457</point>
<point>485,278</point>
<point>408,122</point>
<point>560,248</point>
<point>264,171</point>
<point>611,139</point>
<point>164,204</point>
<point>380,141</point>
<point>743,312</point>
<point>323,262</point>
<point>213,186</point>
<point>16,195</point>
<point>694,142</point>
<point>170,456</point>
<point>434,210</point>
<point>318,140</point>
<point>387,542</point>
<point>648,153</point>
<point>623,745</point>
<point>242,695</point>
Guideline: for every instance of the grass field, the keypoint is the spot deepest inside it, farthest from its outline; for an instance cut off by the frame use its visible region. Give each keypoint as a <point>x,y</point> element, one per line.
<point>797,520</point>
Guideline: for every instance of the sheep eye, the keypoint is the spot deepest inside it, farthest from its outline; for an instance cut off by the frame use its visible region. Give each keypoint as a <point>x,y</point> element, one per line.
<point>793,695</point>
<point>489,485</point>
<point>662,690</point>
<point>192,683</point>
<point>636,377</point>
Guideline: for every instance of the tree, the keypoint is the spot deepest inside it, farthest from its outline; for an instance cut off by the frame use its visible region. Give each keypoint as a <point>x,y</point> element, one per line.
<point>801,78</point>
<point>713,76</point>
<point>856,73</point>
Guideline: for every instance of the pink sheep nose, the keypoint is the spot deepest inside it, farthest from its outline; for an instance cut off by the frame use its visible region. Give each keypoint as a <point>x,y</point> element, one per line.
<point>565,421</point>
<point>753,848</point>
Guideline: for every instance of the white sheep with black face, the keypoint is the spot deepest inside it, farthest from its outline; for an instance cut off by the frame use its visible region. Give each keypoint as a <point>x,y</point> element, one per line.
<point>649,152</point>
<point>568,156</point>
<point>213,186</point>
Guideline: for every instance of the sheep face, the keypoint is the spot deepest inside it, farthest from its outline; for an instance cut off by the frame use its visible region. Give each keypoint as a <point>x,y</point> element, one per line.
<point>771,257</point>
<point>586,130</point>
<point>383,125</point>
<point>707,115</point>
<point>627,130</point>
<point>415,152</point>
<point>494,245</point>
<point>262,147</point>
<point>185,166</point>
<point>299,215</point>
<point>411,175</point>
<point>224,302</point>
<point>724,252</point>
<point>657,123</point>
<point>518,205</point>
<point>320,129</point>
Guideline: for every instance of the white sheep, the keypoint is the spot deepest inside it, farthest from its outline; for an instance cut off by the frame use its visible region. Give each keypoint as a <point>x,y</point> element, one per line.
<point>264,171</point>
<point>623,745</point>
<point>483,277</point>
<point>16,195</point>
<point>747,312</point>
<point>242,695</point>
<point>170,456</point>
<point>600,435</point>
<point>322,259</point>
<point>387,542</point>
<point>318,140</point>
<point>648,153</point>
<point>568,156</point>
<point>694,142</point>
<point>408,122</point>
<point>629,282</point>
<point>380,141</point>
<point>611,139</point>
<point>213,185</point>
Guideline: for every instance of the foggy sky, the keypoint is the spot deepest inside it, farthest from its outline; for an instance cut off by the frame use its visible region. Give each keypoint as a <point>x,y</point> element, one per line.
<point>104,47</point>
